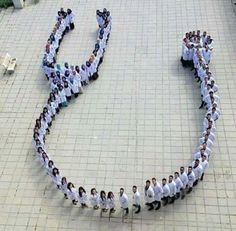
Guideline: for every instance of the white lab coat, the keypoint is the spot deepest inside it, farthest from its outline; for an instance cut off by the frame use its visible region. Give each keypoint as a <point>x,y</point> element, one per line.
<point>111,203</point>
<point>149,195</point>
<point>191,179</point>
<point>197,171</point>
<point>184,178</point>
<point>136,198</point>
<point>166,190</point>
<point>94,199</point>
<point>64,188</point>
<point>178,184</point>
<point>82,198</point>
<point>73,194</point>
<point>172,187</point>
<point>204,165</point>
<point>57,179</point>
<point>124,202</point>
<point>103,203</point>
<point>158,191</point>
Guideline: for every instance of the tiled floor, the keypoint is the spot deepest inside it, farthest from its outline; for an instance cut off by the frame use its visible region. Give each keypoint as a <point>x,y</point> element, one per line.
<point>138,120</point>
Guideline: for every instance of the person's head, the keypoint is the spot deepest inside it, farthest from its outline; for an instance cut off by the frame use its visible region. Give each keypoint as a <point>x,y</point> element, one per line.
<point>110,195</point>
<point>55,171</point>
<point>134,189</point>
<point>164,181</point>
<point>102,194</point>
<point>66,84</point>
<point>40,149</point>
<point>170,178</point>
<point>208,116</point>
<point>93,191</point>
<point>66,65</point>
<point>63,180</point>
<point>70,186</point>
<point>69,11</point>
<point>176,175</point>
<point>204,157</point>
<point>154,181</point>
<point>81,190</point>
<point>121,191</point>
<point>148,183</point>
<point>196,162</point>
<point>50,163</point>
<point>181,169</point>
<point>190,169</point>
<point>213,110</point>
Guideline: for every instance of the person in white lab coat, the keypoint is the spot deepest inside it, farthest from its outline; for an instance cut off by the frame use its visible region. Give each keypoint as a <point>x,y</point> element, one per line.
<point>191,179</point>
<point>184,178</point>
<point>56,177</point>
<point>166,192</point>
<point>158,191</point>
<point>149,195</point>
<point>206,52</point>
<point>82,197</point>
<point>111,202</point>
<point>179,185</point>
<point>136,199</point>
<point>124,202</point>
<point>103,201</point>
<point>94,198</point>
<point>172,187</point>
<point>197,169</point>
<point>204,163</point>
<point>50,167</point>
<point>64,188</point>
<point>72,193</point>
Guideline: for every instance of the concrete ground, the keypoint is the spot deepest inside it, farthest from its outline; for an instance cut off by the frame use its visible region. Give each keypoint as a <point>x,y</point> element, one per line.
<point>138,120</point>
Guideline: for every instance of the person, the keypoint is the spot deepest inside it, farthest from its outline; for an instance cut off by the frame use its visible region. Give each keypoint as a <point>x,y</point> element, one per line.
<point>124,201</point>
<point>50,167</point>
<point>158,191</point>
<point>64,188</point>
<point>166,192</point>
<point>172,187</point>
<point>70,17</point>
<point>111,202</point>
<point>179,185</point>
<point>206,53</point>
<point>82,197</point>
<point>94,198</point>
<point>191,179</point>
<point>56,177</point>
<point>72,193</point>
<point>103,201</point>
<point>204,164</point>
<point>197,170</point>
<point>136,199</point>
<point>149,195</point>
<point>184,178</point>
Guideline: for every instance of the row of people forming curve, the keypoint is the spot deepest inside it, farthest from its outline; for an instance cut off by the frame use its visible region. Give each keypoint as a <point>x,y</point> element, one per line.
<point>69,80</point>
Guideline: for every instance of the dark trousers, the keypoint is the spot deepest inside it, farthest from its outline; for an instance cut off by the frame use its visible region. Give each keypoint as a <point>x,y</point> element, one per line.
<point>165,201</point>
<point>201,179</point>
<point>158,203</point>
<point>138,208</point>
<point>171,200</point>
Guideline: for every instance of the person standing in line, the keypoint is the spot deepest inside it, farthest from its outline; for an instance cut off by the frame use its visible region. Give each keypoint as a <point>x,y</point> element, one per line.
<point>124,202</point>
<point>103,201</point>
<point>157,193</point>
<point>136,199</point>
<point>204,163</point>
<point>82,197</point>
<point>184,178</point>
<point>166,192</point>
<point>179,185</point>
<point>94,199</point>
<point>111,202</point>
<point>172,187</point>
<point>149,195</point>
<point>191,179</point>
<point>197,169</point>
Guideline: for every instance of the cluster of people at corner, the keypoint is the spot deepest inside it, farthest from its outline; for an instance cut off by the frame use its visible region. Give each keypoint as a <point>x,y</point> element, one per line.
<point>155,194</point>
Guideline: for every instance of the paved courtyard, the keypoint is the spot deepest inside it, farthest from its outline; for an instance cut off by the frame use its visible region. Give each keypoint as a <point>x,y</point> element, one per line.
<point>138,120</point>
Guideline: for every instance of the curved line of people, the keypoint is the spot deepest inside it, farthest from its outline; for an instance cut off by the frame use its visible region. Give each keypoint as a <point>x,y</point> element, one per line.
<point>195,55</point>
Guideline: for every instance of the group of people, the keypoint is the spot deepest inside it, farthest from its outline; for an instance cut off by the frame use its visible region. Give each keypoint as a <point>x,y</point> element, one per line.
<point>69,80</point>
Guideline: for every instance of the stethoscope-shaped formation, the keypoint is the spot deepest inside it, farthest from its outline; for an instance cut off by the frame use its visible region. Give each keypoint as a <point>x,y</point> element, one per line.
<point>68,81</point>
